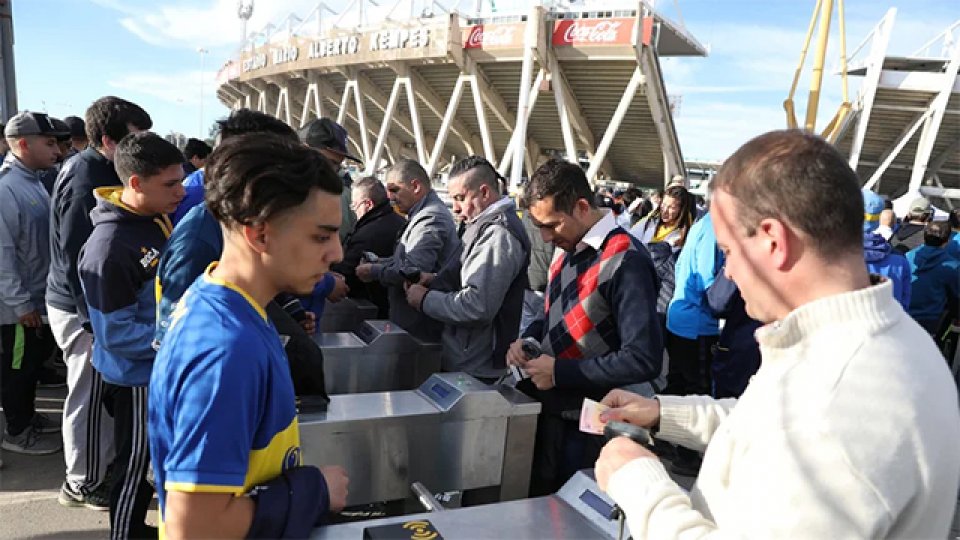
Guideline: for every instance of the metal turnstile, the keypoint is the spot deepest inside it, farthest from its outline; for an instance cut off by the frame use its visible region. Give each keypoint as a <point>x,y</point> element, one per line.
<point>453,433</point>
<point>378,357</point>
<point>346,315</point>
<point>579,510</point>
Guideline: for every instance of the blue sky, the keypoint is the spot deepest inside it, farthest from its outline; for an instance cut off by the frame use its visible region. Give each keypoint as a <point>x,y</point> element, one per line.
<point>70,52</point>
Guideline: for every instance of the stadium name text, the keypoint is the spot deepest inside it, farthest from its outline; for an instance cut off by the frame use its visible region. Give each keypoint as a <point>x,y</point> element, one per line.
<point>256,61</point>
<point>381,40</point>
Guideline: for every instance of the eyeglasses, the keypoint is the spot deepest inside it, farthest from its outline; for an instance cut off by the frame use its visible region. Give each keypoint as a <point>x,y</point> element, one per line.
<point>356,204</point>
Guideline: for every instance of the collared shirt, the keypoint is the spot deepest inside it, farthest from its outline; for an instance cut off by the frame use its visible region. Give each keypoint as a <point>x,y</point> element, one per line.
<point>598,233</point>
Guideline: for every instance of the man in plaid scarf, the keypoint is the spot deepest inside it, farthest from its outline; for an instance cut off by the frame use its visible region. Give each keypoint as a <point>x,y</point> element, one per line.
<point>600,329</point>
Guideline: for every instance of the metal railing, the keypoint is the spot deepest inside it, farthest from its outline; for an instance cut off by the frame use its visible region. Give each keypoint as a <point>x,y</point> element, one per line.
<point>948,40</point>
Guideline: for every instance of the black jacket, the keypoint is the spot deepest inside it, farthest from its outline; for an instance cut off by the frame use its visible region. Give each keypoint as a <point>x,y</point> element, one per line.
<point>70,225</point>
<point>377,231</point>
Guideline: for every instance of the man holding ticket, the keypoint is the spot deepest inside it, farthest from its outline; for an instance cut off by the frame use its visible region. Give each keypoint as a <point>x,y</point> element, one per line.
<point>850,428</point>
<point>600,329</point>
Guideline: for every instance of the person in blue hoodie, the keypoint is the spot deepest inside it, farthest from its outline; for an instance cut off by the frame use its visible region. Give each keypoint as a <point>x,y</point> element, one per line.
<point>953,247</point>
<point>117,268</point>
<point>935,283</point>
<point>880,257</point>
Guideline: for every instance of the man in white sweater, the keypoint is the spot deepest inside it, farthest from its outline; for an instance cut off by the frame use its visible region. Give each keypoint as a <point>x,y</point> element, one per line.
<point>850,429</point>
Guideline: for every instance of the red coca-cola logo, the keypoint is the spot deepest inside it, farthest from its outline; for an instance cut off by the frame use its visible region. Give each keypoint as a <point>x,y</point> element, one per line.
<point>490,37</point>
<point>602,32</point>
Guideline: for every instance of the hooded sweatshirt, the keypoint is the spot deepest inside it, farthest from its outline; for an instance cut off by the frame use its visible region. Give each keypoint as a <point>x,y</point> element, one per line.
<point>882,260</point>
<point>118,267</point>
<point>936,277</point>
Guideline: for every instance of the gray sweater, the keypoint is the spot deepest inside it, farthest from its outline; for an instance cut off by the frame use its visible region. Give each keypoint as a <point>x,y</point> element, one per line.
<point>24,240</point>
<point>428,243</point>
<point>481,312</point>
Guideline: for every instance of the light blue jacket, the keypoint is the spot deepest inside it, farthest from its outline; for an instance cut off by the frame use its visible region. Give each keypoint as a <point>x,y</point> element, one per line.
<point>700,260</point>
<point>24,240</point>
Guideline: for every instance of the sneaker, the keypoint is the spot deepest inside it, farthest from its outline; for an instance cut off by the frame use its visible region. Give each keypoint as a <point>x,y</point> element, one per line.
<point>95,500</point>
<point>44,424</point>
<point>31,443</point>
<point>50,378</point>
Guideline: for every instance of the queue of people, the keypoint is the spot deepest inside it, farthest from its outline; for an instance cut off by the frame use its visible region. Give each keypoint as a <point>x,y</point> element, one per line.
<point>183,298</point>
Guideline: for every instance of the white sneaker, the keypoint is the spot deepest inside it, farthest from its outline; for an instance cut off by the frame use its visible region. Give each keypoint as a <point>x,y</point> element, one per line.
<point>30,442</point>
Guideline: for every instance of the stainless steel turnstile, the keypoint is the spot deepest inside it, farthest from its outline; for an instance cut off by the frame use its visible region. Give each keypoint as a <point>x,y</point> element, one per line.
<point>579,510</point>
<point>378,357</point>
<point>453,433</point>
<point>346,315</point>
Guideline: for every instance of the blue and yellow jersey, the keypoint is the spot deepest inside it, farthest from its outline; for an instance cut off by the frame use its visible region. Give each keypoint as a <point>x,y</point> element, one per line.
<point>222,416</point>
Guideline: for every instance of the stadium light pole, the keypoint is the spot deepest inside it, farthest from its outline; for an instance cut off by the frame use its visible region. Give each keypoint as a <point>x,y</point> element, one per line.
<point>8,80</point>
<point>201,51</point>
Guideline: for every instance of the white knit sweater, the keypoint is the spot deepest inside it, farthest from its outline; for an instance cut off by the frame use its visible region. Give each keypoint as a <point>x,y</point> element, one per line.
<point>850,429</point>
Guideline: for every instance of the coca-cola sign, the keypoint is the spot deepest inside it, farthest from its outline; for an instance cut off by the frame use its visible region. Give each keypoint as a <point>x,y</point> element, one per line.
<point>591,32</point>
<point>495,36</point>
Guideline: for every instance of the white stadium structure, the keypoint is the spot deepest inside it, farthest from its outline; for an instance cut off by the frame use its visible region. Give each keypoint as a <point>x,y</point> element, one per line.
<point>574,80</point>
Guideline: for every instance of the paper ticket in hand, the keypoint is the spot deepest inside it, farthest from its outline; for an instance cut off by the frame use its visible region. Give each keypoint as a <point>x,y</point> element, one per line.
<point>590,417</point>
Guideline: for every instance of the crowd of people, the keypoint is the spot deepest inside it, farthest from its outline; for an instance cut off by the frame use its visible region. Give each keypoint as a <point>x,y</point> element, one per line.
<point>790,358</point>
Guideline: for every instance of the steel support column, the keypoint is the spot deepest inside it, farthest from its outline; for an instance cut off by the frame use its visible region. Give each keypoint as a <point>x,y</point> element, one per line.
<point>868,89</point>
<point>928,137</point>
<point>631,90</point>
<point>445,125</point>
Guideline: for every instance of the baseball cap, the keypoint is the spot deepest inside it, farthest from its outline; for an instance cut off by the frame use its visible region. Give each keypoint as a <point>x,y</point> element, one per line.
<point>920,205</point>
<point>32,123</point>
<point>325,133</point>
<point>62,127</point>
<point>78,128</point>
<point>872,206</point>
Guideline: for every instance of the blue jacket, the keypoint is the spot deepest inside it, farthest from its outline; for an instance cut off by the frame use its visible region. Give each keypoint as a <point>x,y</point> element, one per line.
<point>953,246</point>
<point>70,225</point>
<point>882,260</point>
<point>700,260</point>
<point>317,300</point>
<point>936,277</point>
<point>192,195</point>
<point>118,267</point>
<point>195,243</point>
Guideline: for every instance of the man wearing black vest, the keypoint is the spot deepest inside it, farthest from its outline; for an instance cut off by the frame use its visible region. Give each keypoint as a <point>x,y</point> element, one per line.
<point>600,330</point>
<point>479,297</point>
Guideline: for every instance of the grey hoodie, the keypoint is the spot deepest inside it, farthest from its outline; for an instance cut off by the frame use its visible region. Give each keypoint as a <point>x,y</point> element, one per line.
<point>24,240</point>
<point>482,296</point>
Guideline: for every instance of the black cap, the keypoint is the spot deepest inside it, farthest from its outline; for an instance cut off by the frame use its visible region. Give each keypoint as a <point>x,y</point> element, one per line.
<point>31,123</point>
<point>325,133</point>
<point>62,127</point>
<point>78,128</point>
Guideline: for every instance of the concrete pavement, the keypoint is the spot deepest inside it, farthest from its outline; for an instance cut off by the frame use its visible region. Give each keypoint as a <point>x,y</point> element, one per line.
<point>28,492</point>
